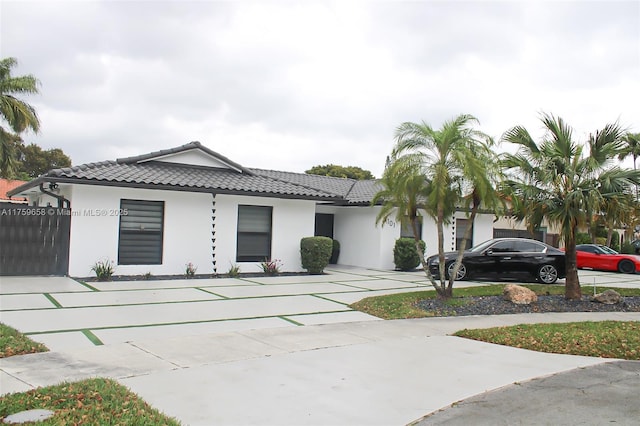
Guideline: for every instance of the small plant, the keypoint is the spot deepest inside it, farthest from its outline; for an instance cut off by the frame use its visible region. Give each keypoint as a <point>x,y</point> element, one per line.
<point>190,270</point>
<point>103,269</point>
<point>315,253</point>
<point>234,271</point>
<point>271,267</point>
<point>147,276</point>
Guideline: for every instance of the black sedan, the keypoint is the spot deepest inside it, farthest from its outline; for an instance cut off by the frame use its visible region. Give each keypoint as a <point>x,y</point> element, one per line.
<point>506,258</point>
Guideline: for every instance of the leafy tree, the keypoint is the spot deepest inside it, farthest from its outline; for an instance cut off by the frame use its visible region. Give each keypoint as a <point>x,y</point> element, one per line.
<point>350,172</point>
<point>437,170</point>
<point>18,115</point>
<point>558,180</point>
<point>34,161</point>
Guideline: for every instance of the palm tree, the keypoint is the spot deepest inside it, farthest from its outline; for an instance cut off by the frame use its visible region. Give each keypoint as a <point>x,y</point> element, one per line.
<point>558,180</point>
<point>17,114</point>
<point>404,194</point>
<point>445,165</point>
<point>631,148</point>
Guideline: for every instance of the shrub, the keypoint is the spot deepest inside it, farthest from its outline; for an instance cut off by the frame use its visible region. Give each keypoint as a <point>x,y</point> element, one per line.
<point>234,271</point>
<point>271,267</point>
<point>615,241</point>
<point>104,269</point>
<point>583,238</point>
<point>627,248</point>
<point>335,252</point>
<point>315,253</point>
<point>405,255</point>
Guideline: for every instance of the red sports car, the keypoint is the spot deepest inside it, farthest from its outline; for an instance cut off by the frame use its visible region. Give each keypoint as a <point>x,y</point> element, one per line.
<point>603,258</point>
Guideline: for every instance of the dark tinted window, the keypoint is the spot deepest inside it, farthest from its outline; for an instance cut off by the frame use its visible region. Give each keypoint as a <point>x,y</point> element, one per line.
<point>504,247</point>
<point>140,237</point>
<point>254,233</point>
<point>529,247</point>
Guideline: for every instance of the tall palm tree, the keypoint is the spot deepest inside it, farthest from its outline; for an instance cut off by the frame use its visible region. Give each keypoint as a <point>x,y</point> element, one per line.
<point>18,115</point>
<point>559,180</point>
<point>450,163</point>
<point>403,196</point>
<point>631,148</point>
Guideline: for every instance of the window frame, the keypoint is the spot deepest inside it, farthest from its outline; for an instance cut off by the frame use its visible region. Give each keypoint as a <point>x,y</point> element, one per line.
<point>240,256</point>
<point>122,231</point>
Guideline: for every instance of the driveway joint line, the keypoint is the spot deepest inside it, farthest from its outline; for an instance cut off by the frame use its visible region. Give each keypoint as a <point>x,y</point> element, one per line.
<point>155,355</point>
<point>92,337</point>
<point>52,300</point>
<point>90,287</point>
<point>210,292</point>
<point>291,321</point>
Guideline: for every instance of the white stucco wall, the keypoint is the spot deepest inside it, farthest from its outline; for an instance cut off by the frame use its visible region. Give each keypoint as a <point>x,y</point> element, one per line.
<point>363,243</point>
<point>95,224</point>
<point>291,221</point>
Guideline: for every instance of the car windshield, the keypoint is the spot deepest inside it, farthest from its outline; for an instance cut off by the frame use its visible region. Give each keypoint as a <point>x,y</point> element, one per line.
<point>607,250</point>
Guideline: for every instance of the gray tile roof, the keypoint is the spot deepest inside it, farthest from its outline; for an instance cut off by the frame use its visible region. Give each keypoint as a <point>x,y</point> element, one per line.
<point>145,172</point>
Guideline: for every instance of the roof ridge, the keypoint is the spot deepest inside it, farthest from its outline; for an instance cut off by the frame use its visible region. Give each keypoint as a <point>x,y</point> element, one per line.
<point>305,174</point>
<point>182,148</point>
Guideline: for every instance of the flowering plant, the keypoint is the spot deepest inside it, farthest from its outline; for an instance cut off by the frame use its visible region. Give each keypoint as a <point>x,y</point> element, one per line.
<point>190,270</point>
<point>271,267</point>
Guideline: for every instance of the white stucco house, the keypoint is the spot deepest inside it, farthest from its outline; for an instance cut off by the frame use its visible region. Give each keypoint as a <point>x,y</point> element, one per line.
<point>155,213</point>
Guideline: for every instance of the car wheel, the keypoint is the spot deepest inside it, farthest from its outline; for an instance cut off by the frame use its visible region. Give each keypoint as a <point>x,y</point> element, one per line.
<point>547,274</point>
<point>626,266</point>
<point>462,271</point>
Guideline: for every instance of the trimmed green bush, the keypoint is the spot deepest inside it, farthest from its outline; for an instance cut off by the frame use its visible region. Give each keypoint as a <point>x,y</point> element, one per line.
<point>335,252</point>
<point>583,238</point>
<point>405,255</point>
<point>315,253</point>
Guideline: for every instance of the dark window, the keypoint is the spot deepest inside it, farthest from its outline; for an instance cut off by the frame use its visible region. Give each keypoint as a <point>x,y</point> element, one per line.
<point>461,228</point>
<point>405,228</point>
<point>140,239</point>
<point>504,247</point>
<point>254,233</point>
<point>529,247</point>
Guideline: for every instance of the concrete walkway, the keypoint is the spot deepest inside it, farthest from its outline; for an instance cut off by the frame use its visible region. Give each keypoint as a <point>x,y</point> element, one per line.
<point>218,359</point>
<point>373,372</point>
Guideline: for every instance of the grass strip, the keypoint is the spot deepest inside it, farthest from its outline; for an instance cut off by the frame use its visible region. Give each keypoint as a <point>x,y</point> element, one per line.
<point>88,402</point>
<point>52,300</point>
<point>89,286</point>
<point>94,339</point>
<point>12,342</point>
<point>604,339</point>
<point>291,321</point>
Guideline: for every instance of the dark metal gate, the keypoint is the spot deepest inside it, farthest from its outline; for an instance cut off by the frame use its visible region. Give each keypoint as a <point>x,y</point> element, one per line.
<point>34,240</point>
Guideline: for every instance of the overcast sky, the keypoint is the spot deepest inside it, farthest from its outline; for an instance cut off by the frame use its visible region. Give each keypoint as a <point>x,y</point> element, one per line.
<point>289,85</point>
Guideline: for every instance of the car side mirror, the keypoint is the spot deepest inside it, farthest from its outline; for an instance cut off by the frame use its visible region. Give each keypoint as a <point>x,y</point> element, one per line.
<point>489,252</point>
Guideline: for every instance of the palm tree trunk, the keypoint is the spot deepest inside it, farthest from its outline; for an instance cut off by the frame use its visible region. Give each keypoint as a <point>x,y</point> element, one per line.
<point>444,292</point>
<point>423,261</point>
<point>572,290</point>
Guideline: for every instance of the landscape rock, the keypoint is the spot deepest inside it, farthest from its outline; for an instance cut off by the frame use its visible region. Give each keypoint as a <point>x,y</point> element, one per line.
<point>519,295</point>
<point>608,297</point>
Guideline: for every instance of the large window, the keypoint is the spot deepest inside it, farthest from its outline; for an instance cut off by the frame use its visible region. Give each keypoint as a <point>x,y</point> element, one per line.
<point>254,233</point>
<point>461,227</point>
<point>405,228</point>
<point>141,225</point>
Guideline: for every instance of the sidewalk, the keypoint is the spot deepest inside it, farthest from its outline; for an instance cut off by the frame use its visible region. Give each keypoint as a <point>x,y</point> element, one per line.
<point>373,372</point>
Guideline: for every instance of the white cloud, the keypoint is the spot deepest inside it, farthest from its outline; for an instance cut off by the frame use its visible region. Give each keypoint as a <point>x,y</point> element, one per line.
<point>288,85</point>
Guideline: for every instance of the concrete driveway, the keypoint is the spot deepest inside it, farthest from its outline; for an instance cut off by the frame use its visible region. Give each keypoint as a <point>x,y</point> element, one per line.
<point>65,314</point>
<point>232,352</point>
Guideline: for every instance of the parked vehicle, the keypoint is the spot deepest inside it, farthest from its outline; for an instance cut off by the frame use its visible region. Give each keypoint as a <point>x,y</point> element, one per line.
<point>603,258</point>
<point>636,246</point>
<point>506,258</point>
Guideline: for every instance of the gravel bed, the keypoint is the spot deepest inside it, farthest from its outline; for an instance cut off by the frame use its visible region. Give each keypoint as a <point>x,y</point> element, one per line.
<point>496,305</point>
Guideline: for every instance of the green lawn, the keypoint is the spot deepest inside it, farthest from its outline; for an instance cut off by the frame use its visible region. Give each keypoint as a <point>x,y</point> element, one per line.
<point>608,339</point>
<point>88,402</point>
<point>12,342</point>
